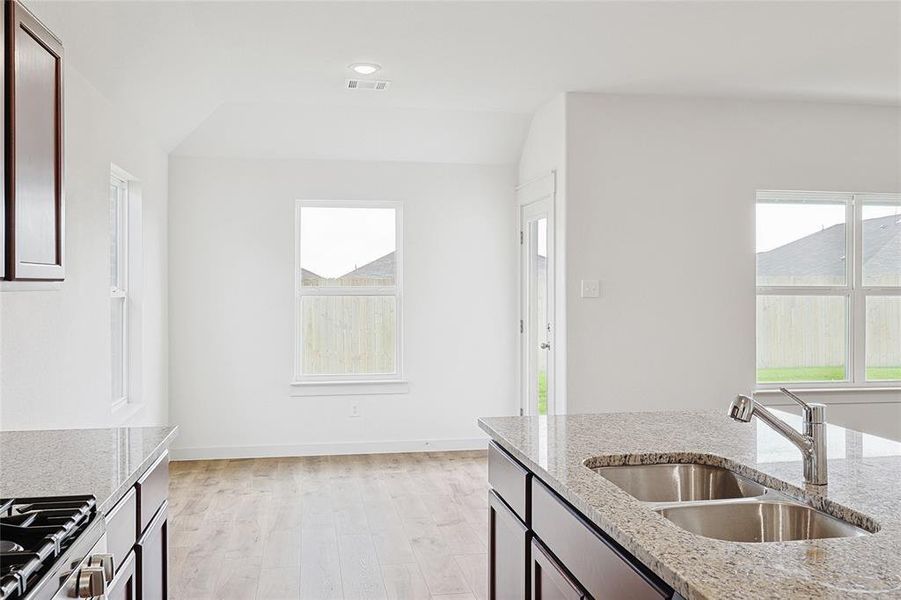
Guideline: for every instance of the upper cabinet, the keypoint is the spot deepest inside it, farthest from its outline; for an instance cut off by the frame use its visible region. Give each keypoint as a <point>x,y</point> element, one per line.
<point>34,215</point>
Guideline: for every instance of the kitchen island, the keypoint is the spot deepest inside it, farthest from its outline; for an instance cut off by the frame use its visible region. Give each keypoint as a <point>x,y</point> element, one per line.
<point>538,463</point>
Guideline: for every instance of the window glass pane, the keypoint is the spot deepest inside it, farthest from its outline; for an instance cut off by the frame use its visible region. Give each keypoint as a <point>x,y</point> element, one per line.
<point>117,344</point>
<point>348,335</point>
<point>114,234</point>
<point>881,245</point>
<point>883,338</point>
<point>539,335</point>
<point>347,246</point>
<point>801,244</point>
<point>801,338</point>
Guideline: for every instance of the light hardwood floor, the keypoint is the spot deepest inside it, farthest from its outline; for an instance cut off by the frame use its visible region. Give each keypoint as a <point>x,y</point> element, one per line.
<point>367,527</point>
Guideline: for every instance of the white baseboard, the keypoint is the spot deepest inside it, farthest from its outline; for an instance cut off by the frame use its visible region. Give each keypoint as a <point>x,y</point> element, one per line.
<point>388,447</point>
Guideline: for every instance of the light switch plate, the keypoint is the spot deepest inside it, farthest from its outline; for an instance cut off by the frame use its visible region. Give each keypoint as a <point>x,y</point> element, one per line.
<point>591,288</point>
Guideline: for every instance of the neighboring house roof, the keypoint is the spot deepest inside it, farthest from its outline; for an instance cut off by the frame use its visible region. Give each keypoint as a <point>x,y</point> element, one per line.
<point>305,274</point>
<point>382,267</point>
<point>823,252</point>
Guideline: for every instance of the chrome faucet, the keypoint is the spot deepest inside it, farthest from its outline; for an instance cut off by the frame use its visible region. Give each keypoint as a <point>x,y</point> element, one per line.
<point>812,443</point>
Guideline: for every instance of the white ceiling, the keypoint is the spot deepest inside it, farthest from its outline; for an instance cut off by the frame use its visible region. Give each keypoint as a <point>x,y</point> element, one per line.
<point>248,78</point>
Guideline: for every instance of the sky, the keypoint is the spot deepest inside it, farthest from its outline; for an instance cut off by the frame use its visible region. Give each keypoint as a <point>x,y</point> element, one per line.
<point>781,223</point>
<point>335,241</point>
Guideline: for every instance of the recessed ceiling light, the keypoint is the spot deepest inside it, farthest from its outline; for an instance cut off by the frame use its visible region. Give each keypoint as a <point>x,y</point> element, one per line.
<point>364,68</point>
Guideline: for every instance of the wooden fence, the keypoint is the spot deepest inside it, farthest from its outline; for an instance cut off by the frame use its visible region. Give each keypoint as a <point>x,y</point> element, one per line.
<point>344,335</point>
<point>811,331</point>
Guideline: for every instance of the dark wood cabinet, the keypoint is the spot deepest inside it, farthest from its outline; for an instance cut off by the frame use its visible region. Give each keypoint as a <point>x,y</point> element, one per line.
<point>3,148</point>
<point>550,581</point>
<point>508,552</point>
<point>152,552</point>
<point>34,216</point>
<point>509,480</point>
<point>542,548</point>
<point>602,568</point>
<point>124,586</point>
<point>137,527</point>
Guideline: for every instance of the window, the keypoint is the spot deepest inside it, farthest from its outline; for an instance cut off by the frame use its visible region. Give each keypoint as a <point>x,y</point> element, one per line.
<point>118,197</point>
<point>828,288</point>
<point>348,282</point>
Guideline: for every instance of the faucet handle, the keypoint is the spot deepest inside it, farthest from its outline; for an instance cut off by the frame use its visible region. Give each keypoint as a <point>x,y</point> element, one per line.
<point>813,412</point>
<point>794,397</point>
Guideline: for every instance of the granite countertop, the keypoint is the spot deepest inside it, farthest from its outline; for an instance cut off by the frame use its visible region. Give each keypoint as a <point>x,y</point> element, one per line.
<point>102,462</point>
<point>864,488</point>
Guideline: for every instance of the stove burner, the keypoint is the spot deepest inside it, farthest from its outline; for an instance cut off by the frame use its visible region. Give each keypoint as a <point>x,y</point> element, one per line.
<point>7,546</point>
<point>36,532</point>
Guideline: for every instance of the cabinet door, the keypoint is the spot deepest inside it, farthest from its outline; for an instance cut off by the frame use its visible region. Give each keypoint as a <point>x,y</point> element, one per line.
<point>35,162</point>
<point>153,558</point>
<point>3,147</point>
<point>508,553</point>
<point>124,586</point>
<point>549,580</point>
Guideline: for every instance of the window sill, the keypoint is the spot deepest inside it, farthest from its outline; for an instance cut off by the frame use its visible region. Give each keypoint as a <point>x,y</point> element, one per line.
<point>835,395</point>
<point>125,412</point>
<point>888,386</point>
<point>348,388</point>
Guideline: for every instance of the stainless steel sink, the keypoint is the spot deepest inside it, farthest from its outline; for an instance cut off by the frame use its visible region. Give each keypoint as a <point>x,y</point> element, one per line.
<point>759,521</point>
<point>680,482</point>
<point>717,503</point>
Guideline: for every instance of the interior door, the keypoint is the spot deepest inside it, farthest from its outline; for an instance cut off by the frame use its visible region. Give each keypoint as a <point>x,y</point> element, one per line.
<point>537,307</point>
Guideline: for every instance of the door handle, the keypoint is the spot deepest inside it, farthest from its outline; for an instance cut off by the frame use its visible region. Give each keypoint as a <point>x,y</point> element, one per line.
<point>545,345</point>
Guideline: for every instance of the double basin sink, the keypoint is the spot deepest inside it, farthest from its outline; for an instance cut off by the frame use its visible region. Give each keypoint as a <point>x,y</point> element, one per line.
<point>717,503</point>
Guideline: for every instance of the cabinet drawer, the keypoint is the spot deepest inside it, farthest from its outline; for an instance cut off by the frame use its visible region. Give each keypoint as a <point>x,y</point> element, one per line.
<point>604,570</point>
<point>122,527</point>
<point>550,581</point>
<point>153,489</point>
<point>510,480</point>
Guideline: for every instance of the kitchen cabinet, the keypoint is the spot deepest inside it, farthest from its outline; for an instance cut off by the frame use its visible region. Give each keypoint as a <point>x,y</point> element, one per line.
<point>124,585</point>
<point>138,527</point>
<point>3,147</point>
<point>33,149</point>
<point>547,550</point>
<point>153,558</point>
<point>152,547</point>
<point>549,579</point>
<point>508,552</point>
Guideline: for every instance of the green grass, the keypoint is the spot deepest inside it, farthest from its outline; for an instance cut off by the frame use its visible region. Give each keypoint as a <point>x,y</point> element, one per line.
<point>542,393</point>
<point>883,373</point>
<point>836,373</point>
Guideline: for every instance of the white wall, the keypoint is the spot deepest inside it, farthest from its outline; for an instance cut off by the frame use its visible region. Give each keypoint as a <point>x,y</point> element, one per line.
<point>55,344</point>
<point>660,208</point>
<point>231,232</point>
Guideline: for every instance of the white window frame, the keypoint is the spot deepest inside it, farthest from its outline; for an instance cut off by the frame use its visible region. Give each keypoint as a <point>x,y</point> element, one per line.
<point>119,294</point>
<point>396,291</point>
<point>853,291</point>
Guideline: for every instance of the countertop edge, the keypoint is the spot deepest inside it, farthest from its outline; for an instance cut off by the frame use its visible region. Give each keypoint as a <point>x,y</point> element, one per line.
<point>104,507</point>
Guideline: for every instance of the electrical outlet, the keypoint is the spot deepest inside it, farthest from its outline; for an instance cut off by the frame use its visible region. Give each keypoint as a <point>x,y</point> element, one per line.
<point>591,288</point>
<point>354,410</point>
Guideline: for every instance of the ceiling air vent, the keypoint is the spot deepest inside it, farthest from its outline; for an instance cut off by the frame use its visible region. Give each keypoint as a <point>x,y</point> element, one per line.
<point>367,84</point>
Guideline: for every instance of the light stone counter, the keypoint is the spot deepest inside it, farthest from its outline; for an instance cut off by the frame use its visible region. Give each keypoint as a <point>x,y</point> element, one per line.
<point>101,462</point>
<point>864,488</point>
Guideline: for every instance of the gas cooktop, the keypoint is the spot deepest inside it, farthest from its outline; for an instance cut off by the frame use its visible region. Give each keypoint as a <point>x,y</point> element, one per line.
<point>35,533</point>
